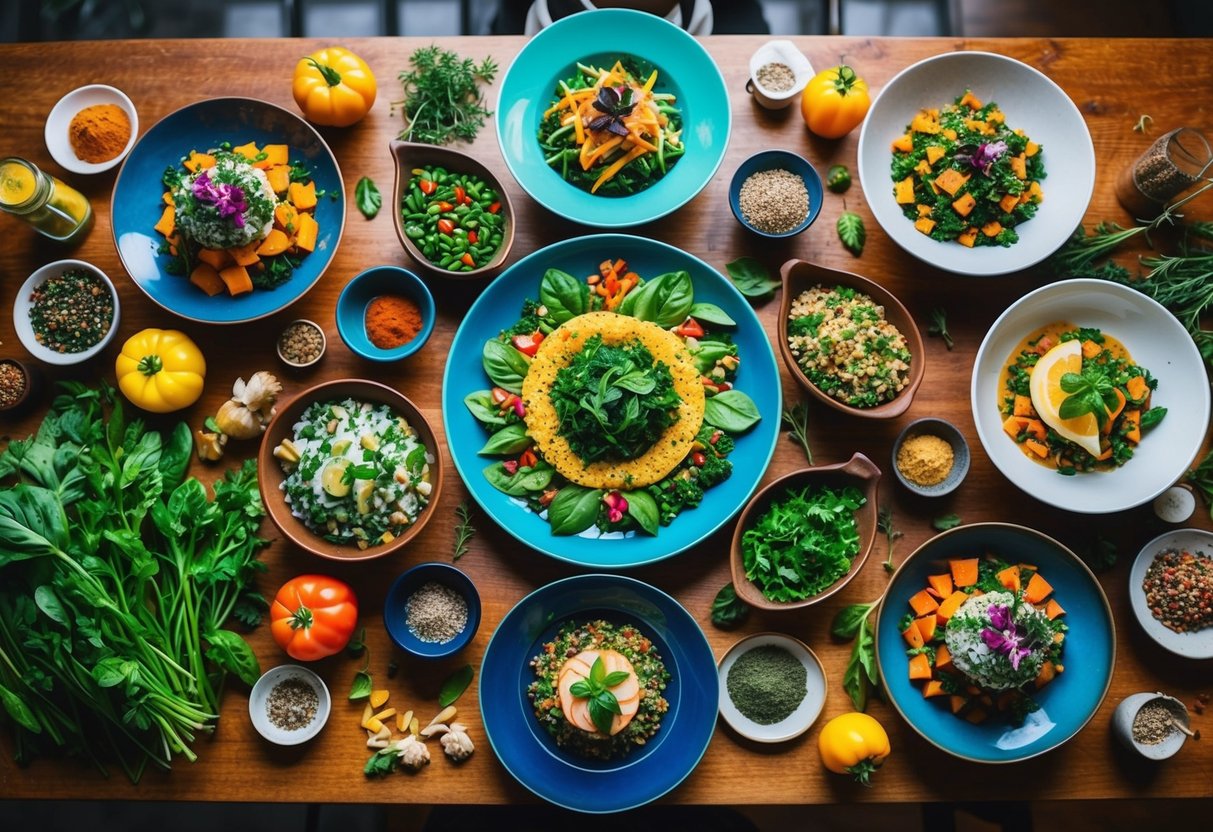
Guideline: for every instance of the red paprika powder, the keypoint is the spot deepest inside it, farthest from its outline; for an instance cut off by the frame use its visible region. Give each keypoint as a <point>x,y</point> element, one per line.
<point>392,321</point>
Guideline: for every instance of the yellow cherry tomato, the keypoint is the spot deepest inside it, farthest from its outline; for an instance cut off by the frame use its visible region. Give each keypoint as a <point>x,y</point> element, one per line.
<point>835,102</point>
<point>333,87</point>
<point>853,744</point>
<point>160,370</point>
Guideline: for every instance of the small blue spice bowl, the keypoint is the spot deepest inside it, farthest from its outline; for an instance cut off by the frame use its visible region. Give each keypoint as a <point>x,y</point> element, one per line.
<point>777,160</point>
<point>365,287</point>
<point>395,609</point>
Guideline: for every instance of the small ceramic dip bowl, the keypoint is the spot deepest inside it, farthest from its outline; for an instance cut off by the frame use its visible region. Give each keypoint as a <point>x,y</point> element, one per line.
<point>960,456</point>
<point>800,719</point>
<point>297,345</point>
<point>17,382</point>
<point>282,718</point>
<point>1148,711</point>
<point>778,52</point>
<point>58,125</point>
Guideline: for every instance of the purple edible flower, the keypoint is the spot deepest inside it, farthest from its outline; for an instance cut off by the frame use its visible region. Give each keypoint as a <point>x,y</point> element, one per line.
<point>1005,635</point>
<point>983,156</point>
<point>227,199</point>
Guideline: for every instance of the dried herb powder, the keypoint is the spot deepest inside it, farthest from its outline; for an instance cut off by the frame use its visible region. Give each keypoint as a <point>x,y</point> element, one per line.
<point>71,312</point>
<point>767,684</point>
<point>292,705</point>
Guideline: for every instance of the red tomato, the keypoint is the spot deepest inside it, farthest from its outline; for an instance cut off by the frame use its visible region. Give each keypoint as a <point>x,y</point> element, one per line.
<point>313,616</point>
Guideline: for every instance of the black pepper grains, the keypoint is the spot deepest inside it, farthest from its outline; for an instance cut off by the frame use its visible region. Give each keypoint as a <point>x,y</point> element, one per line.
<point>292,705</point>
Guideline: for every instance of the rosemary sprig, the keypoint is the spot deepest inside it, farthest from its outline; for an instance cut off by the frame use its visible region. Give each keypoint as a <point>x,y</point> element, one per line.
<point>796,422</point>
<point>442,98</point>
<point>464,530</point>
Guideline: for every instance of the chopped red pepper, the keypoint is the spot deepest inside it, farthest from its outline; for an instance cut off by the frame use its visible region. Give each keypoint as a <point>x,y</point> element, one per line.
<point>527,344</point>
<point>446,206</point>
<point>428,186</point>
<point>467,260</point>
<point>446,226</point>
<point>460,195</point>
<point>698,459</point>
<point>510,466</point>
<point>545,499</point>
<point>495,207</point>
<point>715,436</point>
<point>473,237</point>
<point>528,459</point>
<point>690,328</point>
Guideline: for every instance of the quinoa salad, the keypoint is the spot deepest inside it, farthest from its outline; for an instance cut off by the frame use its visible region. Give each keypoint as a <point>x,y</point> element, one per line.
<point>846,348</point>
<point>567,659</point>
<point>356,472</point>
<point>205,221</point>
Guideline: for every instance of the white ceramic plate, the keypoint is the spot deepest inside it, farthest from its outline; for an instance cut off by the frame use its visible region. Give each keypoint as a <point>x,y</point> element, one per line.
<point>801,718</point>
<point>25,330</point>
<point>1155,340</point>
<point>261,691</point>
<point>1032,103</point>
<point>1197,645</point>
<point>60,118</point>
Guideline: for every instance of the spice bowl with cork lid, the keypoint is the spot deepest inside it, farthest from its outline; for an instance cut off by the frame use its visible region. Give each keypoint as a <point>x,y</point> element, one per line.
<point>930,457</point>
<point>386,313</point>
<point>1153,724</point>
<point>91,129</point>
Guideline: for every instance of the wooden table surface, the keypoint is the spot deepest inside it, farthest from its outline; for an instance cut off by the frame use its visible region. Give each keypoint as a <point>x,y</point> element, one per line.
<point>1112,82</point>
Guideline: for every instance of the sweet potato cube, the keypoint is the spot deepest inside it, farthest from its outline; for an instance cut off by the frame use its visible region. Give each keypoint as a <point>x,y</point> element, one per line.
<point>964,571</point>
<point>923,168</point>
<point>1037,429</point>
<point>1038,448</point>
<point>305,237</point>
<point>925,225</point>
<point>923,210</point>
<point>1090,349</point>
<point>950,181</point>
<point>1053,609</point>
<point>904,143</point>
<point>1036,194</point>
<point>927,626</point>
<point>1009,578</point>
<point>924,122</point>
<point>964,205</point>
<point>950,605</point>
<point>249,151</point>
<point>1038,590</point>
<point>1048,672</point>
<point>1019,166</point>
<point>1023,406</point>
<point>206,278</point>
<point>237,280</point>
<point>275,242</point>
<point>215,257</point>
<point>967,237</point>
<point>949,133</point>
<point>199,161</point>
<point>275,154</point>
<point>246,255</point>
<point>942,584</point>
<point>943,659</point>
<point>1014,424</point>
<point>1132,422</point>
<point>1008,203</point>
<point>912,635</point>
<point>957,703</point>
<point>920,667</point>
<point>1031,149</point>
<point>286,218</point>
<point>992,229</point>
<point>168,221</point>
<point>302,196</point>
<point>970,100</point>
<point>279,177</point>
<point>922,603</point>
<point>1137,387</point>
<point>903,191</point>
<point>933,687</point>
<point>935,153</point>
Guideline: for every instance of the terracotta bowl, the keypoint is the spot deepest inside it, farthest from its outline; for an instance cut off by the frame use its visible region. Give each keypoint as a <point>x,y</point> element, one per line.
<point>410,155</point>
<point>270,474</point>
<point>799,275</point>
<point>858,471</point>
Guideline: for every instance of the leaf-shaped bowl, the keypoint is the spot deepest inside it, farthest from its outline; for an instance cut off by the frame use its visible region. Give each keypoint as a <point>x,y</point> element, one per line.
<point>412,155</point>
<point>800,275</point>
<point>858,471</point>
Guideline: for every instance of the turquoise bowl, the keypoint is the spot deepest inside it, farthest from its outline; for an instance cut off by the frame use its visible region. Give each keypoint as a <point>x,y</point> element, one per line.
<point>364,288</point>
<point>685,68</point>
<point>1066,704</point>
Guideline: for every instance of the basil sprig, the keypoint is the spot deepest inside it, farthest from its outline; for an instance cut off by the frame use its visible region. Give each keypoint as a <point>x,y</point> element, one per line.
<point>1090,392</point>
<point>604,706</point>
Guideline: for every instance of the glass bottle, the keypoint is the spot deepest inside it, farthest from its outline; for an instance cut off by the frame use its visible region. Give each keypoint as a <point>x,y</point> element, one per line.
<point>1174,163</point>
<point>57,210</point>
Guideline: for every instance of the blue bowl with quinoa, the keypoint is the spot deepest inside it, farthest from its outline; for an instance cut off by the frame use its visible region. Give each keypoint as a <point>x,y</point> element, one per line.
<point>443,619</point>
<point>768,209</point>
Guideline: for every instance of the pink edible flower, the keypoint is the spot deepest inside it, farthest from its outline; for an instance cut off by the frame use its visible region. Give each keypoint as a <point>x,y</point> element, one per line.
<point>616,505</point>
<point>519,408</point>
<point>227,199</point>
<point>1005,637</point>
<point>983,156</point>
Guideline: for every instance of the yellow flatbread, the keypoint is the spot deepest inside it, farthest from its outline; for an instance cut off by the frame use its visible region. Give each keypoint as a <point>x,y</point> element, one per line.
<point>555,353</point>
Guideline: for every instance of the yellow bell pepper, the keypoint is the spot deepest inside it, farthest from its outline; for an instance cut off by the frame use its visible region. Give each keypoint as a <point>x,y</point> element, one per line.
<point>853,744</point>
<point>333,87</point>
<point>835,102</point>
<point>160,370</point>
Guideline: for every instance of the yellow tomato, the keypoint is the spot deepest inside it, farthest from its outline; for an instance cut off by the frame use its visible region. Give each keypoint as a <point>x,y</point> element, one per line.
<point>835,102</point>
<point>854,744</point>
<point>333,87</point>
<point>160,370</point>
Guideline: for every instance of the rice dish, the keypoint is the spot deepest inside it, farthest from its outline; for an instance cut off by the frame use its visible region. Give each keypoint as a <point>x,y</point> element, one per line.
<point>972,655</point>
<point>206,224</point>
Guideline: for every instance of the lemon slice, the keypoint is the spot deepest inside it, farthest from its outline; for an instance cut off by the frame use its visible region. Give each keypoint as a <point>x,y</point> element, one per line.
<point>1047,396</point>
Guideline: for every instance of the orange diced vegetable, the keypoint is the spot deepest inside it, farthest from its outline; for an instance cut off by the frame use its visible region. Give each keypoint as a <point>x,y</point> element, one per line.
<point>1053,609</point>
<point>1014,424</point>
<point>922,603</point>
<point>920,667</point>
<point>1037,429</point>
<point>279,177</point>
<point>237,280</point>
<point>1036,194</point>
<point>1023,406</point>
<point>275,242</point>
<point>275,154</point>
<point>992,229</point>
<point>1090,349</point>
<point>926,627</point>
<point>935,153</point>
<point>943,658</point>
<point>924,224</point>
<point>1009,578</point>
<point>957,703</point>
<point>245,255</point>
<point>950,605</point>
<point>1031,149</point>
<point>206,278</point>
<point>942,584</point>
<point>924,210</point>
<point>970,100</point>
<point>903,191</point>
<point>1038,590</point>
<point>286,218</point>
<point>1038,448</point>
<point>302,196</point>
<point>964,571</point>
<point>912,635</point>
<point>949,133</point>
<point>903,143</point>
<point>933,687</point>
<point>1112,414</point>
<point>923,168</point>
<point>964,205</point>
<point>249,151</point>
<point>305,237</point>
<point>168,221</point>
<point>924,122</point>
<point>216,258</point>
<point>950,181</point>
<point>198,161</point>
<point>1048,672</point>
<point>1008,203</point>
<point>1019,166</point>
<point>1138,389</point>
<point>967,237</point>
<point>1132,422</point>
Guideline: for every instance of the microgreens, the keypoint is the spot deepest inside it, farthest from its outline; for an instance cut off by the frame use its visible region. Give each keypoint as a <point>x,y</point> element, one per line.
<point>603,704</point>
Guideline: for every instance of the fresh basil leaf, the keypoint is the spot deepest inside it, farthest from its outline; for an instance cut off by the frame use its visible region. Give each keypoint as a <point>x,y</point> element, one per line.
<point>20,712</point>
<point>367,197</point>
<point>731,411</point>
<point>1073,383</point>
<point>565,296</point>
<point>175,456</point>
<point>574,509</point>
<point>851,232</point>
<point>597,673</point>
<point>728,610</point>
<point>481,405</point>
<point>48,602</point>
<point>232,653</point>
<point>581,689</point>
<point>855,682</point>
<point>506,366</point>
<point>110,671</point>
<point>600,716</point>
<point>643,509</point>
<point>455,685</point>
<point>848,620</point>
<point>712,314</point>
<point>382,762</point>
<point>524,482</point>
<point>709,352</point>
<point>1074,406</point>
<point>362,686</point>
<point>751,278</point>
<point>664,300</point>
<point>618,677</point>
<point>1152,417</point>
<point>32,523</point>
<point>946,521</point>
<point>511,439</point>
<point>637,381</point>
<point>608,700</point>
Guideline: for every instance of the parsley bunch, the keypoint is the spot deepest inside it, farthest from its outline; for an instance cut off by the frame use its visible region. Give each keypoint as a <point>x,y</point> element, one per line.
<point>442,98</point>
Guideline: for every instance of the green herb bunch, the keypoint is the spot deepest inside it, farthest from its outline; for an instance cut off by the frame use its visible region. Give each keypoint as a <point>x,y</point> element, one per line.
<point>442,98</point>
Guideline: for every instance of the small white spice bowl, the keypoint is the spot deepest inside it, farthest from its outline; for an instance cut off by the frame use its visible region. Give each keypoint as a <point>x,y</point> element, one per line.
<point>782,52</point>
<point>1126,712</point>
<point>60,118</point>
<point>22,307</point>
<point>395,609</point>
<point>259,714</point>
<point>960,456</point>
<point>801,719</point>
<point>301,365</point>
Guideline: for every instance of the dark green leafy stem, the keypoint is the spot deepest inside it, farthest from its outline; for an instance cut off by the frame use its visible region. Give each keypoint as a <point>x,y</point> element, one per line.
<point>884,523</point>
<point>946,521</point>
<point>464,530</point>
<point>442,98</point>
<point>367,197</point>
<point>729,611</point>
<point>851,232</point>
<point>1202,478</point>
<point>796,422</point>
<point>751,278</point>
<point>455,685</point>
<point>939,326</point>
<point>861,676</point>
<point>604,707</point>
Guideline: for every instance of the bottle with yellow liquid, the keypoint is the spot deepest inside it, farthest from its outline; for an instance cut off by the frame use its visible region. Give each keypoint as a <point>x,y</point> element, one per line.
<point>57,210</point>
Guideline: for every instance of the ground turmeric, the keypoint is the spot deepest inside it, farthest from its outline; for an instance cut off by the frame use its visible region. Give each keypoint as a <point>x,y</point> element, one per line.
<point>392,321</point>
<point>925,459</point>
<point>99,133</point>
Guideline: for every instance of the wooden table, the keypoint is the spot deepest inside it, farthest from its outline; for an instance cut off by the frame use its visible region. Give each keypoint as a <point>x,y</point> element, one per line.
<point>1112,82</point>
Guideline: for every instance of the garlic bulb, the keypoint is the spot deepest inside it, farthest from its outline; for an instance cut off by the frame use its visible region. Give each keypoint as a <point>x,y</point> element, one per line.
<point>249,410</point>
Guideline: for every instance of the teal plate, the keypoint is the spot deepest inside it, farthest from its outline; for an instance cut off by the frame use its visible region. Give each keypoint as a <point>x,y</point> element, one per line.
<point>499,306</point>
<point>685,69</point>
<point>1066,704</point>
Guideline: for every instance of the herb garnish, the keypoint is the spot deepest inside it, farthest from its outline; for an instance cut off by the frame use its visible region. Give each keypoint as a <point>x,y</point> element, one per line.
<point>614,104</point>
<point>751,278</point>
<point>946,521</point>
<point>464,530</point>
<point>729,611</point>
<point>861,677</point>
<point>455,685</point>
<point>851,232</point>
<point>1202,477</point>
<point>884,523</point>
<point>442,99</point>
<point>796,421</point>
<point>604,706</point>
<point>1091,392</point>
<point>939,326</point>
<point>367,197</point>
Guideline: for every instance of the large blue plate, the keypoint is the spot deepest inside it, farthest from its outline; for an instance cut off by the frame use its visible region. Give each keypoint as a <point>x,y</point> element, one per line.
<point>500,306</point>
<point>1066,704</point>
<point>686,69</point>
<point>137,203</point>
<point>529,753</point>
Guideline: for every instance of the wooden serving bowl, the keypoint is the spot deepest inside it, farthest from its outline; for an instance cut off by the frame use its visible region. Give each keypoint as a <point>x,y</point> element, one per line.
<point>858,471</point>
<point>799,275</point>
<point>270,474</point>
<point>410,155</point>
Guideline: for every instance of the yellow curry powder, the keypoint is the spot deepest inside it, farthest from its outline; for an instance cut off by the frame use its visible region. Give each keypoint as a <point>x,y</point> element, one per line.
<point>99,133</point>
<point>925,459</point>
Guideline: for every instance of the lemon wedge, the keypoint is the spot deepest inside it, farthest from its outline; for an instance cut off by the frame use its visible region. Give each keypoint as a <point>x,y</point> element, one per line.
<point>1047,396</point>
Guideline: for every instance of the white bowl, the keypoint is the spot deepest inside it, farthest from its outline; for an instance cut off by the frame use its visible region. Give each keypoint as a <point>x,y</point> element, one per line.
<point>1155,340</point>
<point>786,53</point>
<point>1193,645</point>
<point>261,691</point>
<point>60,118</point>
<point>22,305</point>
<point>1032,103</point>
<point>800,719</point>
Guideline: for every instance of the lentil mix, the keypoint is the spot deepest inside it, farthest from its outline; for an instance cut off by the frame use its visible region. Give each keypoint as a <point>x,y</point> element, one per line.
<point>1179,590</point>
<point>436,613</point>
<point>1156,721</point>
<point>301,343</point>
<point>774,201</point>
<point>12,384</point>
<point>844,345</point>
<point>292,705</point>
<point>71,312</point>
<point>776,77</point>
